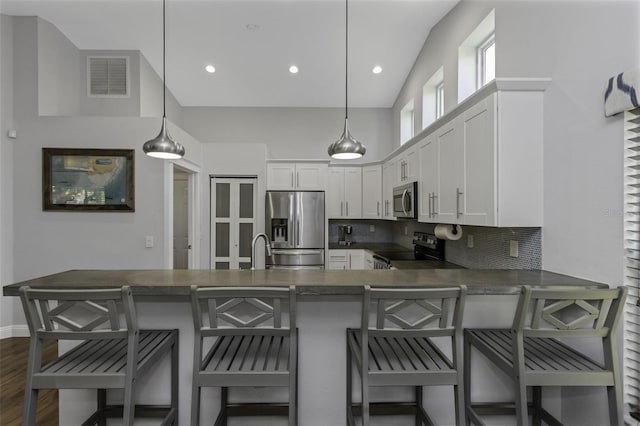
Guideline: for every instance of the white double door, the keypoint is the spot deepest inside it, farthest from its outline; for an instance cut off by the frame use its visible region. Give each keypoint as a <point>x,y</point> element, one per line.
<point>233,221</point>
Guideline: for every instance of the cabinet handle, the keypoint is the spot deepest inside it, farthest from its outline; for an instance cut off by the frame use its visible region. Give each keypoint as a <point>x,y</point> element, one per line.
<point>458,194</point>
<point>435,211</point>
<point>378,208</point>
<point>292,180</point>
<point>430,199</point>
<point>341,208</point>
<point>386,208</point>
<point>347,209</point>
<point>349,260</point>
<point>298,179</point>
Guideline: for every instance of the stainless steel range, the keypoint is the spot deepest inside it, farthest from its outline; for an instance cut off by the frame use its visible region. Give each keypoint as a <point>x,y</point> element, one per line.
<point>425,247</point>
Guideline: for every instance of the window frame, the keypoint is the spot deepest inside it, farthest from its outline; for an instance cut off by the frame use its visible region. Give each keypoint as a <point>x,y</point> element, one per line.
<point>481,55</point>
<point>439,99</point>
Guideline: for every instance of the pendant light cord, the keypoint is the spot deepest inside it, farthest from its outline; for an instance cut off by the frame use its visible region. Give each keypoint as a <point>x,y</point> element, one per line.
<point>346,61</point>
<point>164,83</point>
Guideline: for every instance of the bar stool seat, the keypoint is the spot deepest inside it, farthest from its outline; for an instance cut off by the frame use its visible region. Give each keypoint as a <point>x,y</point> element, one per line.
<point>110,355</point>
<point>251,336</point>
<point>532,355</point>
<point>396,346</point>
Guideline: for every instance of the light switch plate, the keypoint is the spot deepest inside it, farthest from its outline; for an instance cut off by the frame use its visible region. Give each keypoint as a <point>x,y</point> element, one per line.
<point>148,241</point>
<point>372,228</point>
<point>470,241</point>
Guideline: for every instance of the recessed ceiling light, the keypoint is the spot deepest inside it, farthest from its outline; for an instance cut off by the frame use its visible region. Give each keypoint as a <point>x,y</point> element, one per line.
<point>293,69</point>
<point>377,69</point>
<point>252,27</point>
<point>210,68</point>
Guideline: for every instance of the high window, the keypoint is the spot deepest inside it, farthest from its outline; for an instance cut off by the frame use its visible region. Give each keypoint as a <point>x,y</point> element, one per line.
<point>439,100</point>
<point>433,98</point>
<point>486,60</point>
<point>406,122</point>
<point>477,58</point>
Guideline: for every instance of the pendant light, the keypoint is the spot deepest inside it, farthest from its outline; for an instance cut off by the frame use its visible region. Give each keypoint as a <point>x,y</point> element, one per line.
<point>346,148</point>
<point>163,146</point>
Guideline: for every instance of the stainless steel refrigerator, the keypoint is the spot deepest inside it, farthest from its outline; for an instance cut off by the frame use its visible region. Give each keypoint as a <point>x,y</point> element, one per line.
<point>295,225</point>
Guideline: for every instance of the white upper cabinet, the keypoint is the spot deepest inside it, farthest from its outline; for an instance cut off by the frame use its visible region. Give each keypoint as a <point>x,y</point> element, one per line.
<point>484,166</point>
<point>372,192</point>
<point>389,176</point>
<point>344,193</point>
<point>428,179</point>
<point>292,176</point>
<point>407,168</point>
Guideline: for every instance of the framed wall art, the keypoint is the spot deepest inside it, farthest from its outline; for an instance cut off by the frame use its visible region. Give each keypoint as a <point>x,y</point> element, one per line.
<point>87,179</point>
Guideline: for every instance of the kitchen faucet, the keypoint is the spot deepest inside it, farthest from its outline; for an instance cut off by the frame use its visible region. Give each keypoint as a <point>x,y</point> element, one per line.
<point>267,246</point>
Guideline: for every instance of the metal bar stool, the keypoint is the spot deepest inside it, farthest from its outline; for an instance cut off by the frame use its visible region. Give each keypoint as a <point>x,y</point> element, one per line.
<point>399,350</point>
<point>112,354</point>
<point>252,344</point>
<point>531,354</point>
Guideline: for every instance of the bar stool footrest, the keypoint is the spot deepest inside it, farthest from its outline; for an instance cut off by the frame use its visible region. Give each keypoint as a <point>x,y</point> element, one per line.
<point>507,408</point>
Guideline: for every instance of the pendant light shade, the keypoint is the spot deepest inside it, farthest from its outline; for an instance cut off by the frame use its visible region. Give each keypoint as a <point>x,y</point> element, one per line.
<point>163,146</point>
<point>347,147</point>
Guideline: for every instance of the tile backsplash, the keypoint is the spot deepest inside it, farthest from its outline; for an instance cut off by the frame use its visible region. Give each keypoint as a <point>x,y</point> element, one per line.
<point>490,245</point>
<point>361,231</point>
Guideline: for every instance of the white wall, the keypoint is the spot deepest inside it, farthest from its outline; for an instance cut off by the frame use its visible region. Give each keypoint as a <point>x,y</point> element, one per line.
<point>6,168</point>
<point>297,133</point>
<point>58,74</point>
<point>223,159</point>
<point>151,87</point>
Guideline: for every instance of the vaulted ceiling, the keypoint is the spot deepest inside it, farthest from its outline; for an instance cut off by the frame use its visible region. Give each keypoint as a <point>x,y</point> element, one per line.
<point>252,44</point>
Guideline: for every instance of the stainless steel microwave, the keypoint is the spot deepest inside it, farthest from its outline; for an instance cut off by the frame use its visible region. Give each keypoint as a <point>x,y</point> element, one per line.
<point>405,201</point>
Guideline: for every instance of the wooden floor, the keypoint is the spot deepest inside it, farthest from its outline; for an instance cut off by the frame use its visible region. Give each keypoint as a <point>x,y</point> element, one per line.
<point>13,366</point>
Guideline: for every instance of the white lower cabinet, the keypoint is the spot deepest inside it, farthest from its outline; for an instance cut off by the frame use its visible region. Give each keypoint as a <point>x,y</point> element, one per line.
<point>368,260</point>
<point>346,259</point>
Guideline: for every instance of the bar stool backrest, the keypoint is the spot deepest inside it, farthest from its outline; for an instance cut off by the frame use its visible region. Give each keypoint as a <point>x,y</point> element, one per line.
<point>79,315</point>
<point>220,311</point>
<point>573,312</point>
<point>413,312</point>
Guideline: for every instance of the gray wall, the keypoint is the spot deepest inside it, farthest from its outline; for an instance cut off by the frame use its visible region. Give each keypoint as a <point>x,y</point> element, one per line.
<point>58,74</point>
<point>6,166</point>
<point>297,133</point>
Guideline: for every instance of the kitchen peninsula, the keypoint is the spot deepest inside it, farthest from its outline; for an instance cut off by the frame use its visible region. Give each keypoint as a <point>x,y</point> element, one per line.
<point>176,283</point>
<point>329,302</point>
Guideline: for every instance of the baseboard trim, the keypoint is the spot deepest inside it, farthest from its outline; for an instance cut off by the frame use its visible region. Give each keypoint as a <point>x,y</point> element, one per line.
<point>14,331</point>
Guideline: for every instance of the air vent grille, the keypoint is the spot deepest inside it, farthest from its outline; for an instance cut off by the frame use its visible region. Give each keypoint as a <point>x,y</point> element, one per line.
<point>108,76</point>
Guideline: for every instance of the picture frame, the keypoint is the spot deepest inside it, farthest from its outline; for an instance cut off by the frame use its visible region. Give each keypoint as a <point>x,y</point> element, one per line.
<point>88,180</point>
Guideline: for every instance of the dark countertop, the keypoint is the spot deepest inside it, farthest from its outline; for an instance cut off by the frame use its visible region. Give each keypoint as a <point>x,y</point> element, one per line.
<point>370,246</point>
<point>170,285</point>
<point>424,264</point>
